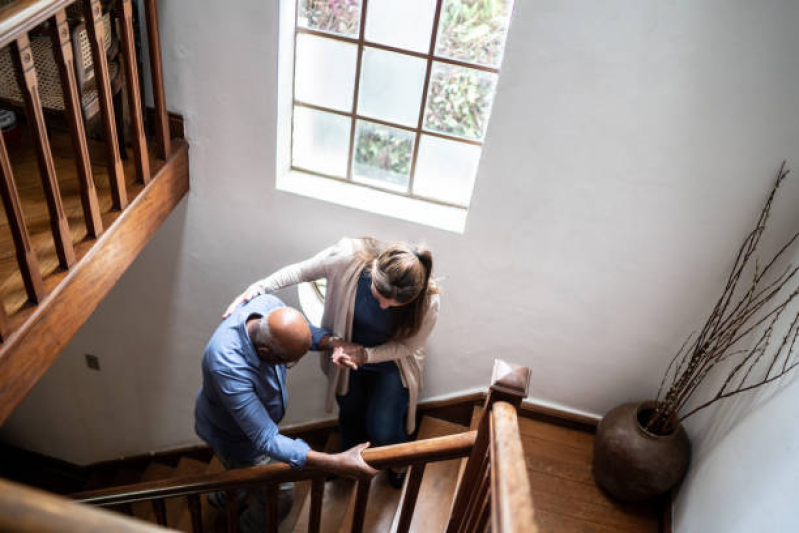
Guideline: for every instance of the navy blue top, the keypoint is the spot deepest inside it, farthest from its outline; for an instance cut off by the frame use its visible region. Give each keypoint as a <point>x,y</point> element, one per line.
<point>243,398</point>
<point>371,326</point>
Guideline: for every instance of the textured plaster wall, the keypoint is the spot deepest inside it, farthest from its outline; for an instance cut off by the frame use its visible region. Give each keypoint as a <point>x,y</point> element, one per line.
<point>630,147</point>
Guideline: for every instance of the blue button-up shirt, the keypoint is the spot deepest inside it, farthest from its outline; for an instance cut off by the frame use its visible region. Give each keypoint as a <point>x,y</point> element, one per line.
<point>242,398</point>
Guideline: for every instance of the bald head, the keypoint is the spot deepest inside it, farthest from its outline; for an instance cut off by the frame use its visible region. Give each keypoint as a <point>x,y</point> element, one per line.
<point>289,329</point>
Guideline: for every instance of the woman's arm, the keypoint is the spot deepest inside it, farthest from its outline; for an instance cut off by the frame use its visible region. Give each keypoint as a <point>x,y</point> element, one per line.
<point>393,350</point>
<point>308,270</point>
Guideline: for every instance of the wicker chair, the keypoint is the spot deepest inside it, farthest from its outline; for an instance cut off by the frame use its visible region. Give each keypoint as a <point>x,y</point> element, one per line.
<point>49,79</point>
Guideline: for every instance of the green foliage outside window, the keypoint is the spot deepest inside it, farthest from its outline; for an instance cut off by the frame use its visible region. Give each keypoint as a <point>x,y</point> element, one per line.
<point>473,30</point>
<point>383,153</point>
<point>337,16</point>
<point>459,101</point>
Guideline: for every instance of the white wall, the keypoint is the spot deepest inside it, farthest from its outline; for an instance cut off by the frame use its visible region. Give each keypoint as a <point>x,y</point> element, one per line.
<point>630,148</point>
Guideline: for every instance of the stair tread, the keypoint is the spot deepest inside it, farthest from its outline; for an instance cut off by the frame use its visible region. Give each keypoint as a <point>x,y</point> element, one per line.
<point>438,483</point>
<point>380,508</point>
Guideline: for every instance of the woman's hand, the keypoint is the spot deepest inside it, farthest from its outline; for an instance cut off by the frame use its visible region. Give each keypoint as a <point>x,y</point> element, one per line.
<point>348,355</point>
<point>246,296</point>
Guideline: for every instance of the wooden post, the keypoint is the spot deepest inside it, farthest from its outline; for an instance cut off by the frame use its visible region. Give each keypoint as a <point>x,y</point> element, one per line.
<point>232,508</point>
<point>317,492</point>
<point>93,12</point>
<point>26,255</point>
<point>142,158</point>
<point>159,508</point>
<point>511,502</point>
<point>62,51</point>
<point>272,502</point>
<point>361,501</point>
<point>195,509</point>
<point>22,57</point>
<point>157,75</point>
<point>409,497</point>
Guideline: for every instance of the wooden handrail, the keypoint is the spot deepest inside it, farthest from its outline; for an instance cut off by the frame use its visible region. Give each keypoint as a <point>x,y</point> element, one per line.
<point>26,510</point>
<point>429,450</point>
<point>511,503</point>
<point>24,15</point>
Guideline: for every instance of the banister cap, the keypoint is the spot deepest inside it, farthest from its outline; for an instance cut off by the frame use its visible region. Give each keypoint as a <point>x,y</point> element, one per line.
<point>509,378</point>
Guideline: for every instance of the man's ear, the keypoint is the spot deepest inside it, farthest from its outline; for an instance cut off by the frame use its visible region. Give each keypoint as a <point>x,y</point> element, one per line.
<point>264,351</point>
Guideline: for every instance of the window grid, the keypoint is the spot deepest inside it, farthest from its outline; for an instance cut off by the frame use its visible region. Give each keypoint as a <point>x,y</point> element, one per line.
<point>361,42</point>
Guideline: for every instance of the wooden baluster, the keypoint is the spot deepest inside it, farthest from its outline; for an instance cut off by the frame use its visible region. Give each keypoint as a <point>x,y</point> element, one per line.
<point>125,11</point>
<point>361,501</point>
<point>409,497</point>
<point>157,75</point>
<point>195,510</point>
<point>159,508</point>
<point>232,508</point>
<point>22,57</point>
<point>26,255</point>
<point>62,51</point>
<point>93,12</point>
<point>471,475</point>
<point>3,322</point>
<point>317,492</point>
<point>478,497</point>
<point>272,502</point>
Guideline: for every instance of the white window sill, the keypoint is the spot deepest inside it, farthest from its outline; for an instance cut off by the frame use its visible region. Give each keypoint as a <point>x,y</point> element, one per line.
<point>374,201</point>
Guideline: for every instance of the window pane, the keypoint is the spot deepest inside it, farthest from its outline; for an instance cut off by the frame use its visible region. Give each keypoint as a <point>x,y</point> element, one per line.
<point>404,24</point>
<point>459,100</point>
<point>391,86</point>
<point>474,30</point>
<point>382,155</point>
<point>321,141</point>
<point>445,170</point>
<point>324,72</point>
<point>336,16</point>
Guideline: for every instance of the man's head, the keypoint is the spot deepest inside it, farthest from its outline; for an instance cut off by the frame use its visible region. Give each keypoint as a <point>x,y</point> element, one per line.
<point>281,337</point>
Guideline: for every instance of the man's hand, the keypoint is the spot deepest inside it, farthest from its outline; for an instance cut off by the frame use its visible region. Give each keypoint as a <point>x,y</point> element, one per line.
<point>246,296</point>
<point>348,354</point>
<point>349,463</point>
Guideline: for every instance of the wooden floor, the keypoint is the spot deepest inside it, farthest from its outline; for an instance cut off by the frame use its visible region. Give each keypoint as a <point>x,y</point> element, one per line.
<point>565,496</point>
<point>34,208</point>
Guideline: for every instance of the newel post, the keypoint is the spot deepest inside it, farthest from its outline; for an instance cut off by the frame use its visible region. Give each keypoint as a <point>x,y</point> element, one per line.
<point>509,384</point>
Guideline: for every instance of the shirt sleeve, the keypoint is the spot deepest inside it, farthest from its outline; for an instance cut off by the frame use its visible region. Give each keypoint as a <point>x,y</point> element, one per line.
<point>309,270</point>
<point>316,335</point>
<point>238,396</point>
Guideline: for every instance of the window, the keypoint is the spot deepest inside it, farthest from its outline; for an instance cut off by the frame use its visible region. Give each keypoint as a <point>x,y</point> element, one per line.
<point>394,95</point>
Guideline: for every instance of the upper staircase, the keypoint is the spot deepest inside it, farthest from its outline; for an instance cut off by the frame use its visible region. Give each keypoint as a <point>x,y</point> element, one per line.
<point>79,207</point>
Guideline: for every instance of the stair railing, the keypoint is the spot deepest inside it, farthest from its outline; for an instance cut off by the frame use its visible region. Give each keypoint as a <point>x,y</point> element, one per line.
<point>494,485</point>
<point>414,454</point>
<point>17,20</point>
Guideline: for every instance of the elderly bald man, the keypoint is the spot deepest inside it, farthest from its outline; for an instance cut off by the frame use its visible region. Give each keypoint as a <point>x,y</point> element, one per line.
<point>243,397</point>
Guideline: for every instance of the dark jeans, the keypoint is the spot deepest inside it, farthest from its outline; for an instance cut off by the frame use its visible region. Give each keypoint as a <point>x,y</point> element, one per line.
<point>374,407</point>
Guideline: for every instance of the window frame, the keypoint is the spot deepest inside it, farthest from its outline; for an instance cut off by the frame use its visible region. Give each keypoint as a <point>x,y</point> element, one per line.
<point>360,41</point>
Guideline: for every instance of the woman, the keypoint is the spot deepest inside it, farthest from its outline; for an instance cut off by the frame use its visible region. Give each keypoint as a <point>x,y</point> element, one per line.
<point>381,305</point>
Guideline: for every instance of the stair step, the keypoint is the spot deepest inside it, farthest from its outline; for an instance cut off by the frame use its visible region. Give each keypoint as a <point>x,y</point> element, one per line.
<point>335,501</point>
<point>438,483</point>
<point>181,517</point>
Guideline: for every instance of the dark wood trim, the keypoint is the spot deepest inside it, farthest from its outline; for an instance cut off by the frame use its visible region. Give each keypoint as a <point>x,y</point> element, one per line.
<point>22,16</point>
<point>32,348</point>
<point>65,59</point>
<point>93,12</point>
<point>26,254</point>
<point>22,58</point>
<point>140,154</point>
<point>157,75</point>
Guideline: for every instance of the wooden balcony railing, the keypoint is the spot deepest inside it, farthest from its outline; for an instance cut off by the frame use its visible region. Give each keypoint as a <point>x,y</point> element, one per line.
<point>41,42</point>
<point>494,488</point>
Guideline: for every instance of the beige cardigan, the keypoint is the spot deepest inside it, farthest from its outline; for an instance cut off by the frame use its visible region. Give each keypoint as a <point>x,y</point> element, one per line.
<point>342,269</point>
